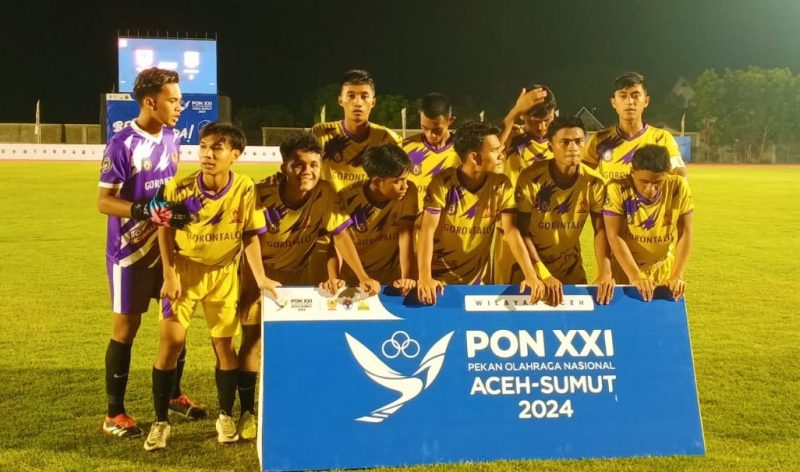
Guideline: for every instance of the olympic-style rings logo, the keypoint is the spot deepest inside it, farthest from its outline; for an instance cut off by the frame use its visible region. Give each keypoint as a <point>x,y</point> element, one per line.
<point>400,343</point>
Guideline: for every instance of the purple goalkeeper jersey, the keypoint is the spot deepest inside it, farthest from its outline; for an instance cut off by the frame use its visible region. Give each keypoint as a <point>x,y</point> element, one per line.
<point>136,164</point>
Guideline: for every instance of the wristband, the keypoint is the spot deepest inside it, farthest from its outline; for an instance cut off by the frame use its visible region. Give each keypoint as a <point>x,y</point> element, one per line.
<point>542,270</point>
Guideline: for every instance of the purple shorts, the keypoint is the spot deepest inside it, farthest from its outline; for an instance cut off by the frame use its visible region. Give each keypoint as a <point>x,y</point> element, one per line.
<point>132,287</point>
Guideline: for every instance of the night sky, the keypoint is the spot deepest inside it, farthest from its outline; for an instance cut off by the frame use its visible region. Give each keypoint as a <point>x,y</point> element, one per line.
<point>64,53</point>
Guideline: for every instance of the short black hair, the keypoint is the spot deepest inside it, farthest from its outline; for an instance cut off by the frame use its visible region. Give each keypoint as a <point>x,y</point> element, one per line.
<point>629,79</point>
<point>540,110</point>
<point>651,157</point>
<point>229,133</point>
<point>357,77</point>
<point>471,135</point>
<point>388,160</point>
<point>305,142</point>
<point>149,82</point>
<point>562,122</point>
<point>436,104</point>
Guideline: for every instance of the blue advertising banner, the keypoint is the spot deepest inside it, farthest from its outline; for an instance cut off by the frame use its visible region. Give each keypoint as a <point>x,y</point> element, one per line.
<point>352,382</point>
<point>199,109</point>
<point>685,146</point>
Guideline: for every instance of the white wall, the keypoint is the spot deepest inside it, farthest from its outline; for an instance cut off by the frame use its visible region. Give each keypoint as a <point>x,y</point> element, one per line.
<point>94,152</point>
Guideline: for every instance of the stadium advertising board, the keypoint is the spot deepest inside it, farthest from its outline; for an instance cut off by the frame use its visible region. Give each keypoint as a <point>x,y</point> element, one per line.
<point>199,109</point>
<point>352,382</point>
<point>685,146</point>
<point>195,60</point>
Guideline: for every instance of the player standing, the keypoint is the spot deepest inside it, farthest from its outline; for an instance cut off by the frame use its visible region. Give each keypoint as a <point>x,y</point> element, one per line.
<point>524,145</point>
<point>462,208</point>
<point>201,266</point>
<point>432,150</point>
<point>648,218</point>
<point>138,161</point>
<point>611,150</point>
<point>383,210</point>
<point>299,210</point>
<point>344,142</point>
<point>554,199</point>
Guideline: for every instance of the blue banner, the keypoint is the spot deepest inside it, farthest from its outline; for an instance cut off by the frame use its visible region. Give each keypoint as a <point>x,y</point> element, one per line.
<point>685,146</point>
<point>199,110</point>
<point>352,382</point>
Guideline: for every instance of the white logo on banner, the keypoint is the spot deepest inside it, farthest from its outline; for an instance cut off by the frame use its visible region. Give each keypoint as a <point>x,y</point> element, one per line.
<point>400,343</point>
<point>409,386</point>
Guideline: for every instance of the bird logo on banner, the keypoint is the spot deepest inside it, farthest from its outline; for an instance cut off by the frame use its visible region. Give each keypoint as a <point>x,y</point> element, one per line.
<point>410,386</point>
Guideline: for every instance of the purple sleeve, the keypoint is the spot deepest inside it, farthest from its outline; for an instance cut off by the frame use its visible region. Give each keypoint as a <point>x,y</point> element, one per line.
<point>115,167</point>
<point>342,227</point>
<point>255,232</point>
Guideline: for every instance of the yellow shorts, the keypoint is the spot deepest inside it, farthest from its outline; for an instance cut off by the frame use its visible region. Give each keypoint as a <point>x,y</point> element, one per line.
<point>216,288</point>
<point>566,267</point>
<point>659,271</point>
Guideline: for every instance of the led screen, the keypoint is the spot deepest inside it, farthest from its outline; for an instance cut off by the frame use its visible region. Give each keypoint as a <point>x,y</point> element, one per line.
<point>194,59</point>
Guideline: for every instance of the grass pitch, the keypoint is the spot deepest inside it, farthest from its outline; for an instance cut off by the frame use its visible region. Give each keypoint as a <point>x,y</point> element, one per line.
<point>743,314</point>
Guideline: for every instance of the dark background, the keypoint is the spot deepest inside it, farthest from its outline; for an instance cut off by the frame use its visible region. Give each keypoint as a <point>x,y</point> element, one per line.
<point>279,52</point>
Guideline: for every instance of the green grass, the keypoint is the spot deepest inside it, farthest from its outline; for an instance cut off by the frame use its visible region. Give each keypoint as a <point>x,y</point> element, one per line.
<point>55,317</point>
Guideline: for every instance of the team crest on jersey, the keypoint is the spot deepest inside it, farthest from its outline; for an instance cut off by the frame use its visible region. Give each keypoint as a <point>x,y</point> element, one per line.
<point>543,205</point>
<point>417,169</point>
<point>451,208</point>
<point>105,166</point>
<point>175,157</point>
<point>235,216</point>
<point>338,157</point>
<point>147,164</point>
<point>272,228</point>
<point>607,155</point>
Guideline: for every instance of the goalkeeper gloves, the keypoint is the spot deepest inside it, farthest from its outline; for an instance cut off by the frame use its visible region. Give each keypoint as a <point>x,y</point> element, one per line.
<point>161,212</point>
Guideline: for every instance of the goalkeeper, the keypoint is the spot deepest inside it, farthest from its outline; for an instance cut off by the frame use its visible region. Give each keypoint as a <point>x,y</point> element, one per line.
<point>138,161</point>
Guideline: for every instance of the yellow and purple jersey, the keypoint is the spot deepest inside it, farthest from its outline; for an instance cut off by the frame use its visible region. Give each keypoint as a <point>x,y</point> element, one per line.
<point>523,150</point>
<point>292,233</point>
<point>611,152</point>
<point>220,220</point>
<point>374,229</point>
<point>428,161</point>
<point>558,215</point>
<point>463,239</point>
<point>342,152</point>
<point>135,164</point>
<point>649,227</point>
